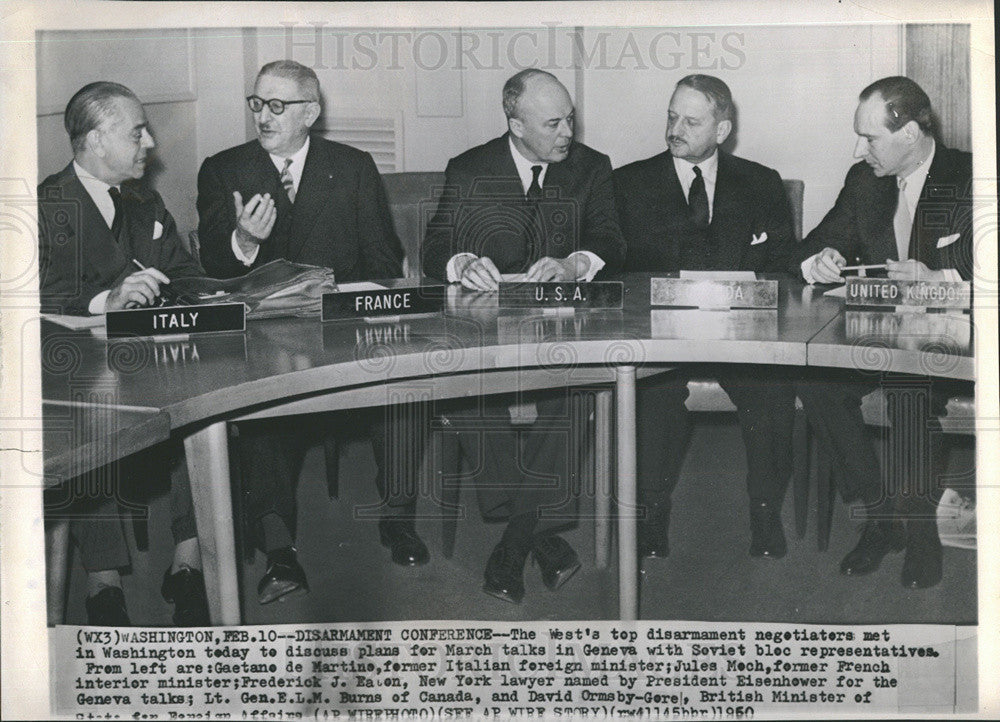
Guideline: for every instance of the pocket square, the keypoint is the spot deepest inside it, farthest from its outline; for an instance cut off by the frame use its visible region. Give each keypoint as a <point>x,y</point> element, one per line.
<point>759,239</point>
<point>157,230</point>
<point>947,240</point>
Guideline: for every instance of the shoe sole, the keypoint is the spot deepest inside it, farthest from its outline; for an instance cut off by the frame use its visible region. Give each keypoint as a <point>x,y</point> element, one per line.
<point>563,578</point>
<point>280,592</point>
<point>496,594</point>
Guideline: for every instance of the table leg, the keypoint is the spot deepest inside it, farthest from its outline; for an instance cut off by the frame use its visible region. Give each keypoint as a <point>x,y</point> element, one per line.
<point>628,559</point>
<point>207,454</point>
<point>602,476</point>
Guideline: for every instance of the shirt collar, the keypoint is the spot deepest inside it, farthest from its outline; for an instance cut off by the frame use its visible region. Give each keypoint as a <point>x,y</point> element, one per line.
<point>524,166</point>
<point>709,167</point>
<point>84,175</point>
<point>298,158</point>
<point>915,181</point>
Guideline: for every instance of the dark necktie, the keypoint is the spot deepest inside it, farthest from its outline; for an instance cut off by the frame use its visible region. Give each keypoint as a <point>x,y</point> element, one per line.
<point>535,189</point>
<point>698,201</point>
<point>287,182</point>
<point>118,223</point>
<point>534,234</point>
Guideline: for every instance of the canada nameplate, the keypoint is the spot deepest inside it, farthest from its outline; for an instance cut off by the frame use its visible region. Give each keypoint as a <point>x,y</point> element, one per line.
<point>383,302</point>
<point>926,294</point>
<point>593,295</point>
<point>712,293</point>
<point>173,320</point>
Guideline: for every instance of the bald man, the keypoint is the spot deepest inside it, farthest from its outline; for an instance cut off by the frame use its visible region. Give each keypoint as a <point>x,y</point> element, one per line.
<point>532,201</point>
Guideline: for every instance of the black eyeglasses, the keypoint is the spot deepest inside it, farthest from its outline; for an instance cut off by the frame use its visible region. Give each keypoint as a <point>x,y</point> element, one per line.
<point>275,105</point>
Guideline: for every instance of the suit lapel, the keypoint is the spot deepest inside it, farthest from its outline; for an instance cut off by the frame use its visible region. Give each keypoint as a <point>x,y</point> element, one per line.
<point>314,192</point>
<point>97,245</point>
<point>879,225</point>
<point>935,213</point>
<point>727,216</point>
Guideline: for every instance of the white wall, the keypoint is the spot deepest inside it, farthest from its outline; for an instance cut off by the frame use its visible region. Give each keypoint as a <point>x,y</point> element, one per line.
<point>192,92</point>
<point>795,90</point>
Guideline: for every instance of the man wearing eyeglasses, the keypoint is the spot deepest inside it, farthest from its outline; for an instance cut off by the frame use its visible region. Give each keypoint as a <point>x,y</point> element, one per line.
<point>292,195</point>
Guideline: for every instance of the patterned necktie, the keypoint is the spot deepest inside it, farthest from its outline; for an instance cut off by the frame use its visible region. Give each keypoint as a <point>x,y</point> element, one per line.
<point>698,200</point>
<point>287,182</point>
<point>118,223</point>
<point>902,222</point>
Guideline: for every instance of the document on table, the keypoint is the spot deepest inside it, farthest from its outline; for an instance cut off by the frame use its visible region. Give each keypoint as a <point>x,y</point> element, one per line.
<point>75,322</point>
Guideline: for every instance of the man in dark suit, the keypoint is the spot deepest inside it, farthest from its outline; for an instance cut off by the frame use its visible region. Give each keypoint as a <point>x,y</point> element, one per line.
<point>906,204</point>
<point>309,200</point>
<point>95,218</point>
<point>533,202</point>
<point>696,207</point>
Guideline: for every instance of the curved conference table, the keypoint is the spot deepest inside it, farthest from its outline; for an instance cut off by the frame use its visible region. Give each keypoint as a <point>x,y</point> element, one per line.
<point>106,399</point>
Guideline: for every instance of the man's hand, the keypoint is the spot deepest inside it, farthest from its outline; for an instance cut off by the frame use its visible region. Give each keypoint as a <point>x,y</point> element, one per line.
<point>254,220</point>
<point>912,271</point>
<point>558,269</point>
<point>479,274</point>
<point>826,266</point>
<point>139,289</point>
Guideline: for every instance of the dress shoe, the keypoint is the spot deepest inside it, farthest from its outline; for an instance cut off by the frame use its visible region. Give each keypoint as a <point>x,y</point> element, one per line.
<point>767,535</point>
<point>505,573</point>
<point>107,608</point>
<point>653,541</point>
<point>878,538</point>
<point>922,564</point>
<point>284,577</point>
<point>185,589</point>
<point>556,560</point>
<point>400,536</point>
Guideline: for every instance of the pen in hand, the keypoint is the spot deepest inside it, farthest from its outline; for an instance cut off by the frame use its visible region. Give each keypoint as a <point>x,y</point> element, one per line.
<point>167,293</point>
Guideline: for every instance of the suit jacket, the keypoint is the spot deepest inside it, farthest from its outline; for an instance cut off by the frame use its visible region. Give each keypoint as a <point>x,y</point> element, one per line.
<point>78,255</point>
<point>750,201</point>
<point>340,218</point>
<point>483,211</point>
<point>860,224</point>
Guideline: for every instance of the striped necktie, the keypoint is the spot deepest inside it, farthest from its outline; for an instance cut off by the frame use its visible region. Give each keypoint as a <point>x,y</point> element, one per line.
<point>287,182</point>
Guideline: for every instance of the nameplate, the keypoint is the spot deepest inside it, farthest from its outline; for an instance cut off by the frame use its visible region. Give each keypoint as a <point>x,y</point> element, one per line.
<point>173,320</point>
<point>384,302</point>
<point>712,293</point>
<point>926,294</point>
<point>596,294</point>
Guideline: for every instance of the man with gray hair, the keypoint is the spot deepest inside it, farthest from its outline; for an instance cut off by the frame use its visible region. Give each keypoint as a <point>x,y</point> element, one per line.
<point>696,207</point>
<point>293,195</point>
<point>532,201</point>
<point>95,218</point>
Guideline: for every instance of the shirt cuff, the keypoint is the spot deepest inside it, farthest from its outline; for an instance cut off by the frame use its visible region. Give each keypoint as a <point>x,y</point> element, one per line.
<point>951,274</point>
<point>596,264</point>
<point>452,275</point>
<point>244,258</point>
<point>98,303</point>
<point>807,268</point>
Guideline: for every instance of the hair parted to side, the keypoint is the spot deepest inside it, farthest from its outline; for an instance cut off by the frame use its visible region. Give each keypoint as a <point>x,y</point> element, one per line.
<point>514,88</point>
<point>89,107</point>
<point>304,76</point>
<point>904,101</point>
<point>716,91</point>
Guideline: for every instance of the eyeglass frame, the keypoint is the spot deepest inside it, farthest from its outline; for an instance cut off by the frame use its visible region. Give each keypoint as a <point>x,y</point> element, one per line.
<point>267,102</point>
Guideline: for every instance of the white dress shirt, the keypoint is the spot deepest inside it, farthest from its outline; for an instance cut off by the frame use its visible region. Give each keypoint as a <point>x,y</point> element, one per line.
<point>524,166</point>
<point>295,170</point>
<point>98,192</point>
<point>914,187</point>
<point>709,172</point>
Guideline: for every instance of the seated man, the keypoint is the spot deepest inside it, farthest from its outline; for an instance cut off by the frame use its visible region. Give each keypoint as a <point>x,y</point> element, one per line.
<point>906,204</point>
<point>696,207</point>
<point>288,194</point>
<point>534,202</point>
<point>86,266</point>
